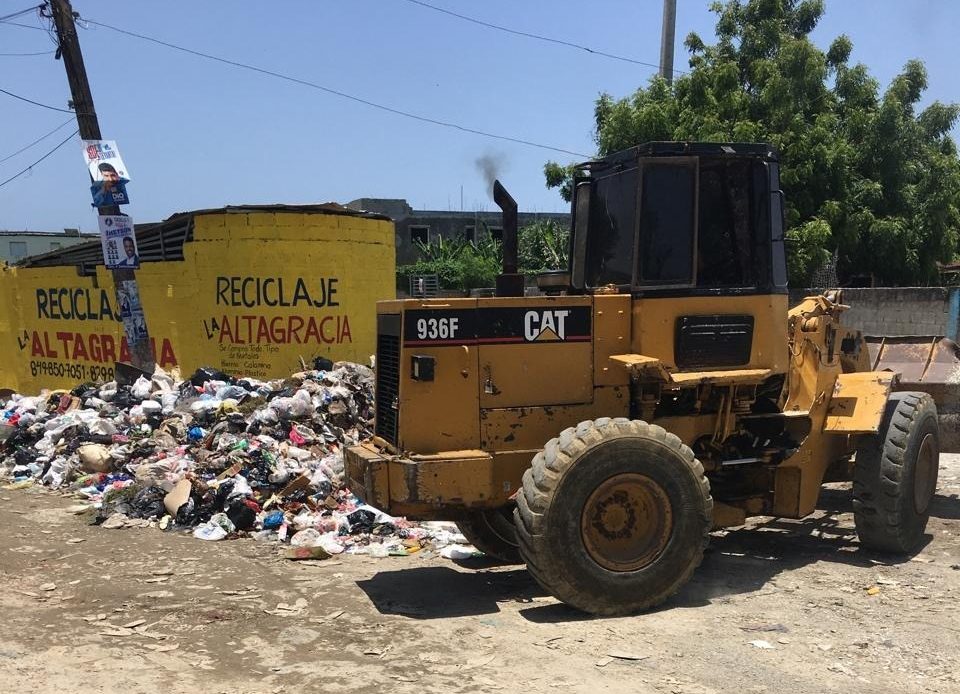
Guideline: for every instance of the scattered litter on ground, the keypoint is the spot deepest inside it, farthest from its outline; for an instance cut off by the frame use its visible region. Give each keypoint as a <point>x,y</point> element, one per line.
<point>219,457</point>
<point>624,655</point>
<point>760,643</point>
<point>766,627</point>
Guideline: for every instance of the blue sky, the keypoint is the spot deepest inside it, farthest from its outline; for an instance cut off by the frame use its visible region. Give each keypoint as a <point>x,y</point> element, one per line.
<point>197,134</point>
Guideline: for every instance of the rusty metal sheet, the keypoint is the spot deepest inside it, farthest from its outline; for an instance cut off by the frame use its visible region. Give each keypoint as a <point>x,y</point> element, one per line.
<point>907,356</point>
<point>918,359</point>
<point>940,375</point>
<point>858,401</point>
<point>944,366</point>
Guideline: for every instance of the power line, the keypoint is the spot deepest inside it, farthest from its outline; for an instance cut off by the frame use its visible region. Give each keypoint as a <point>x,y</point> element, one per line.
<point>538,37</point>
<point>20,13</point>
<point>11,55</point>
<point>22,26</point>
<point>18,175</point>
<point>38,140</point>
<point>35,103</point>
<point>335,92</point>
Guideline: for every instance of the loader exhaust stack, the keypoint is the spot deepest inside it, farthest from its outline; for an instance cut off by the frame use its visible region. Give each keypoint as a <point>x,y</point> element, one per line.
<point>509,282</point>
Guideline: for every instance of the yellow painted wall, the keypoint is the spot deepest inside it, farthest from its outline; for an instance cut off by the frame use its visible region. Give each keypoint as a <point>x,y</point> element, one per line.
<point>59,329</point>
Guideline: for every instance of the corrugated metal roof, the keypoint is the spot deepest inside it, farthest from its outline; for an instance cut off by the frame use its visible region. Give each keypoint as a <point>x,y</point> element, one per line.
<point>48,234</point>
<point>164,240</point>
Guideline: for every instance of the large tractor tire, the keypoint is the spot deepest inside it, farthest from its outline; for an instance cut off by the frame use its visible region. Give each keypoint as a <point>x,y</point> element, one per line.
<point>895,475</point>
<point>613,516</point>
<point>492,532</point>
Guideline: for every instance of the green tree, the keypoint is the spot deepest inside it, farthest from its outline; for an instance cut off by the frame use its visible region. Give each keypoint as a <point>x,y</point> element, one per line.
<point>456,263</point>
<point>867,177</point>
<point>541,246</point>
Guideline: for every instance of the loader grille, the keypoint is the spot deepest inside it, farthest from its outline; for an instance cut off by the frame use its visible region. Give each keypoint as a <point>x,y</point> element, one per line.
<point>719,341</point>
<point>388,376</point>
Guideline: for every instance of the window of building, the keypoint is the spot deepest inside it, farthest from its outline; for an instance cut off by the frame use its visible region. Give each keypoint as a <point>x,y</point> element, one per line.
<point>496,233</point>
<point>55,246</point>
<point>18,249</point>
<point>420,234</point>
<point>469,234</point>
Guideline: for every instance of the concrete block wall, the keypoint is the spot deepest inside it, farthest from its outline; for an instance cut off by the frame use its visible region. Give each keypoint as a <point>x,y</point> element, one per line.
<point>896,311</point>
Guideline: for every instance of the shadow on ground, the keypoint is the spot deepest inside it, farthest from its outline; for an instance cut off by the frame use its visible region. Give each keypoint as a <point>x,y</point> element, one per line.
<point>432,592</point>
<point>945,507</point>
<point>737,562</point>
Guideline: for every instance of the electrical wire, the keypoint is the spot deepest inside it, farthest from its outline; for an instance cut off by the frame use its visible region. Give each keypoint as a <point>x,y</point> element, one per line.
<point>20,13</point>
<point>22,26</point>
<point>335,92</point>
<point>18,175</point>
<point>38,140</point>
<point>35,103</point>
<point>538,37</point>
<point>11,55</point>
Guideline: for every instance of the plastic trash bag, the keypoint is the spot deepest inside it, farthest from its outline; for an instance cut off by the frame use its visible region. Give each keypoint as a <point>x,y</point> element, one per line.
<point>209,531</point>
<point>217,528</point>
<point>459,552</point>
<point>148,503</point>
<point>141,388</point>
<point>208,373</point>
<point>300,405</point>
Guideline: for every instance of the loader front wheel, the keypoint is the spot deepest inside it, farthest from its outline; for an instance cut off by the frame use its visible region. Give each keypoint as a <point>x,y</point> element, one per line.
<point>492,532</point>
<point>613,516</point>
<point>895,475</point>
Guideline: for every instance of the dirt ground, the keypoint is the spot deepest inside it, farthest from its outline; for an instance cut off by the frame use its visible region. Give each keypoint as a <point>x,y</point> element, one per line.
<point>776,606</point>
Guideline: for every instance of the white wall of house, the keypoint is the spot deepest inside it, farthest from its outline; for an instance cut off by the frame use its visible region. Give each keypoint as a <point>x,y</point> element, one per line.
<point>17,245</point>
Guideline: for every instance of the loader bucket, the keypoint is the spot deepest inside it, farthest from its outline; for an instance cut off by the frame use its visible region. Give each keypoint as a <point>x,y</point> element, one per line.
<point>930,364</point>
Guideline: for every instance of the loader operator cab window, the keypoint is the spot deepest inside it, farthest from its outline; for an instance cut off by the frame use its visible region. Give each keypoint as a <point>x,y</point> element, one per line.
<point>728,234</point>
<point>674,222</point>
<point>667,224</point>
<point>613,215</point>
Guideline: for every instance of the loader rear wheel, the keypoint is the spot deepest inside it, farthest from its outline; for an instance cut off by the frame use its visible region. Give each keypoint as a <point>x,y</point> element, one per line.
<point>613,516</point>
<point>895,475</point>
<point>492,532</point>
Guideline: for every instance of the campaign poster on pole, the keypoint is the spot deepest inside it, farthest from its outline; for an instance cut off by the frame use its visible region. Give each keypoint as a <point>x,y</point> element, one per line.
<point>119,242</point>
<point>107,171</point>
<point>131,311</point>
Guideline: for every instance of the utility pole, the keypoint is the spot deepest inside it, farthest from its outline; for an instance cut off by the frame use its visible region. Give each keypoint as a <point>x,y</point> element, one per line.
<point>667,38</point>
<point>141,355</point>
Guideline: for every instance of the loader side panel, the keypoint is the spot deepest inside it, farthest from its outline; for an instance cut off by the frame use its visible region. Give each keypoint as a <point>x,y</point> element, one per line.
<point>529,428</point>
<point>739,331</point>
<point>535,351</point>
<point>438,375</point>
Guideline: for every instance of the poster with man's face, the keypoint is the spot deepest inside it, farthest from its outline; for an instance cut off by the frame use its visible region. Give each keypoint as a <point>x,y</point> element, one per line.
<point>107,171</point>
<point>119,242</point>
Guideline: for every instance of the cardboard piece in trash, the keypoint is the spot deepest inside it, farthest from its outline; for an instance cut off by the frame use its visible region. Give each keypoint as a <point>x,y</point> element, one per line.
<point>231,471</point>
<point>301,482</point>
<point>298,553</point>
<point>177,496</point>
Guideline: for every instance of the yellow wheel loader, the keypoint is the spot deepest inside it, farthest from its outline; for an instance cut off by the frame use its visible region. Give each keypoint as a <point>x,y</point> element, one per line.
<point>657,389</point>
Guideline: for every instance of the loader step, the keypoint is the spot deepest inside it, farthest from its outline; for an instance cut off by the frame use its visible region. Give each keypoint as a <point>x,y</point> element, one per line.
<point>746,377</point>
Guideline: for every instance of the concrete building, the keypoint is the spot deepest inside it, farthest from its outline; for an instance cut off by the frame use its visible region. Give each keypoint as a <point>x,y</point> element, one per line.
<point>430,225</point>
<point>16,245</point>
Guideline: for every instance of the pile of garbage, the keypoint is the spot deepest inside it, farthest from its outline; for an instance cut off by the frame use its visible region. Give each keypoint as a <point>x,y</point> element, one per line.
<point>218,456</point>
